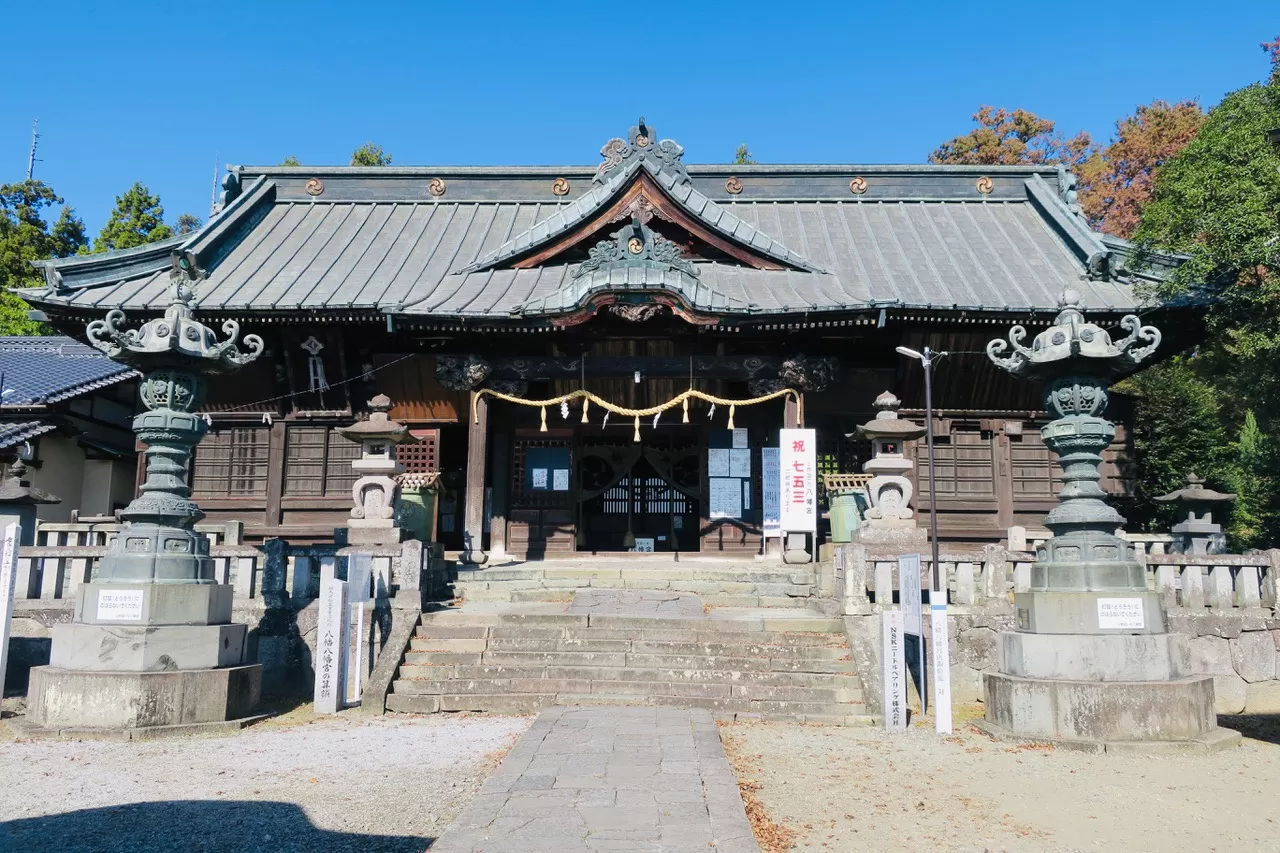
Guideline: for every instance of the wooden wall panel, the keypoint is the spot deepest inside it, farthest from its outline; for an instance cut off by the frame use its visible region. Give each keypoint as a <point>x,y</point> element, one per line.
<point>415,394</point>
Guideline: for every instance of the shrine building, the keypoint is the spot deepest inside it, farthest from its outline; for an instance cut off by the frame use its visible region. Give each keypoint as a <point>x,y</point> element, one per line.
<point>635,279</point>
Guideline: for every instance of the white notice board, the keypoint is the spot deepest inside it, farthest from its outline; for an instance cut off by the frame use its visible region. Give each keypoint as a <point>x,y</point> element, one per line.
<point>799,479</point>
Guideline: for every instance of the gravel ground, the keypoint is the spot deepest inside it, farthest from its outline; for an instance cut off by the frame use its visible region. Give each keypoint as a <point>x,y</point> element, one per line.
<point>844,789</point>
<point>301,784</point>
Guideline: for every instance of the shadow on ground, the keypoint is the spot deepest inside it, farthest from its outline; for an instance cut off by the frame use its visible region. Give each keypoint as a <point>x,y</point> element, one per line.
<point>1264,727</point>
<point>193,826</point>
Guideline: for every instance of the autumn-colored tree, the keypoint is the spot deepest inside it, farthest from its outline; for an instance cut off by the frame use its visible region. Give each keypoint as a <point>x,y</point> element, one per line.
<point>1116,182</point>
<point>1011,138</point>
<point>1273,53</point>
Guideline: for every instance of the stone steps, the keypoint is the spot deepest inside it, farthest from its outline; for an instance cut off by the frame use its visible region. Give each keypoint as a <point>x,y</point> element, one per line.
<point>525,703</point>
<point>710,675</point>
<point>756,666</point>
<point>718,586</point>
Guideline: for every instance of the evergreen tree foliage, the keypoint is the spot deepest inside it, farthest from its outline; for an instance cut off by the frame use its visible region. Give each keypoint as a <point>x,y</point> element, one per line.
<point>25,236</point>
<point>370,154</point>
<point>137,219</point>
<point>1218,201</point>
<point>291,160</point>
<point>742,157</point>
<point>186,223</point>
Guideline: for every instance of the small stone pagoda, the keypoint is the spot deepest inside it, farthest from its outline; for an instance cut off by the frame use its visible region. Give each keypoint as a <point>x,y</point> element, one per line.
<point>1091,663</point>
<point>1198,533</point>
<point>151,643</point>
<point>373,518</point>
<point>890,519</point>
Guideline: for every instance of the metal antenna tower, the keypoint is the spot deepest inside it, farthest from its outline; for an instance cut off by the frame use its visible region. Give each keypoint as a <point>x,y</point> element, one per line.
<point>35,140</point>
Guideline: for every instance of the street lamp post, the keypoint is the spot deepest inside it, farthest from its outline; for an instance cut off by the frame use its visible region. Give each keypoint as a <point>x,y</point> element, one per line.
<point>926,359</point>
<point>937,591</point>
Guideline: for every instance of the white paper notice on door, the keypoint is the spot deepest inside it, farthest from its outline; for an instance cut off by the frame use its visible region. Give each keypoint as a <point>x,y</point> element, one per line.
<point>739,463</point>
<point>717,462</point>
<point>739,438</point>
<point>725,500</point>
<point>539,478</point>
<point>560,480</point>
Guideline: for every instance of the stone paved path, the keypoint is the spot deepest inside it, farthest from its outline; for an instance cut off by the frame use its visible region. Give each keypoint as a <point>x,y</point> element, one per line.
<point>581,780</point>
<point>662,604</point>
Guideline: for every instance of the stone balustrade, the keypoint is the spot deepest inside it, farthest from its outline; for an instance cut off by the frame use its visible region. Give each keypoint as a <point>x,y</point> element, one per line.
<point>67,555</point>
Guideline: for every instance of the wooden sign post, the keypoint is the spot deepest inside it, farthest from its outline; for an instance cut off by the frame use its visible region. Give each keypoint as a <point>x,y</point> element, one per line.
<point>8,575</point>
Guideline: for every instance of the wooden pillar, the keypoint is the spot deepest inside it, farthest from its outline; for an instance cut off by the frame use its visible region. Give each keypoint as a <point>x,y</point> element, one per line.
<point>473,515</point>
<point>501,489</point>
<point>276,448</point>
<point>791,414</point>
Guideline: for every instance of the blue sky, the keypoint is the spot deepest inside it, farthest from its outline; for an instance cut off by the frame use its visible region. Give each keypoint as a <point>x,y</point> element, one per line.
<point>131,91</point>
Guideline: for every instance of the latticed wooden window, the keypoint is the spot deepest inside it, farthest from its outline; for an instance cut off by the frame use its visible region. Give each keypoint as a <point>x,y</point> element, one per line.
<point>318,462</point>
<point>423,457</point>
<point>231,462</point>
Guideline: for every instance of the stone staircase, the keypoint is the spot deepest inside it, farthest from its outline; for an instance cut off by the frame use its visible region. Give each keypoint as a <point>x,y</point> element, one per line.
<point>749,664</point>
<point>718,583</point>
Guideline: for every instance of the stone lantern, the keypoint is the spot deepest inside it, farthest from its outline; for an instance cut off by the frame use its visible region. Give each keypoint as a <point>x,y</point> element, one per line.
<point>18,502</point>
<point>151,642</point>
<point>1090,661</point>
<point>1198,533</point>
<point>889,518</point>
<point>373,518</point>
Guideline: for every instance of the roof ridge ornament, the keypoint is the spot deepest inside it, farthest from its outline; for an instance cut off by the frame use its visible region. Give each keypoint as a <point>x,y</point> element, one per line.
<point>641,145</point>
<point>635,245</point>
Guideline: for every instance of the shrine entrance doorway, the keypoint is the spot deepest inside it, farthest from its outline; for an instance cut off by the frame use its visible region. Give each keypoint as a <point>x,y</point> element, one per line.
<point>639,498</point>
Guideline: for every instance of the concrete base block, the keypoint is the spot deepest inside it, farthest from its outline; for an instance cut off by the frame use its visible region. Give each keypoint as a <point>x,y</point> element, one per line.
<point>162,603</point>
<point>1095,657</point>
<point>1118,711</point>
<point>1077,612</point>
<point>1215,741</point>
<point>61,698</point>
<point>160,648</point>
<point>900,538</point>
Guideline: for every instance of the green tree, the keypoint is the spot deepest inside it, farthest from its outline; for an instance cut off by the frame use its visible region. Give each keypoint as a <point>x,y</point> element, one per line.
<point>1177,430</point>
<point>1116,182</point>
<point>137,219</point>
<point>186,223</point>
<point>25,237</point>
<point>742,157</point>
<point>1011,138</point>
<point>1218,201</point>
<point>370,154</point>
<point>291,160</point>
